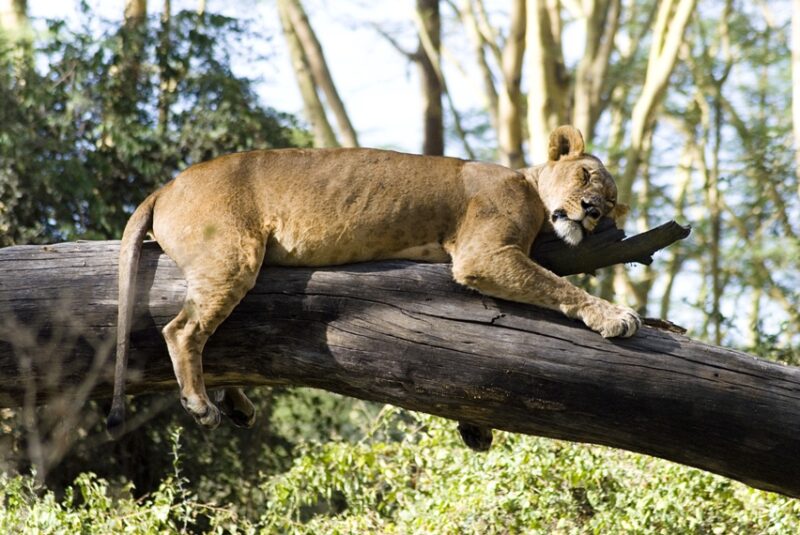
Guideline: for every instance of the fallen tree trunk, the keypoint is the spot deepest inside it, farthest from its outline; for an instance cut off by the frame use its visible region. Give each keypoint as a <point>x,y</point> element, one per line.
<point>404,333</point>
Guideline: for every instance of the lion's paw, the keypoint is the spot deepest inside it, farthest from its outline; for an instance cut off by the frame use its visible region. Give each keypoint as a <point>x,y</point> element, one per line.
<point>611,320</point>
<point>477,437</point>
<point>210,419</point>
<point>242,414</point>
<point>204,412</point>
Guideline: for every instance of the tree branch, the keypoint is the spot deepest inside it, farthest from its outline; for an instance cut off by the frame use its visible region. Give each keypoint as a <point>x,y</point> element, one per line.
<point>605,247</point>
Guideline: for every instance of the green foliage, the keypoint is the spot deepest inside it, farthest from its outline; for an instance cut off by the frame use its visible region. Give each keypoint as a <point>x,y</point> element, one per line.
<point>427,482</point>
<point>409,474</point>
<point>91,506</point>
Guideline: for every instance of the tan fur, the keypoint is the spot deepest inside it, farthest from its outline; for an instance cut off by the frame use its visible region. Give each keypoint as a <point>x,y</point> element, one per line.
<point>220,220</point>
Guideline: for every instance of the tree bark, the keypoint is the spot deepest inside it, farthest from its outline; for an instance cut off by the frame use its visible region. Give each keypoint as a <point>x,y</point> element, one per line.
<point>796,87</point>
<point>405,334</point>
<point>430,77</point>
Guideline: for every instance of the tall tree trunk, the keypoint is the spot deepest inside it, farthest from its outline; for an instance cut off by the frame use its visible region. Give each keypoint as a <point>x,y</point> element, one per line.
<point>132,52</point>
<point>312,104</point>
<point>15,29</point>
<point>315,59</point>
<point>123,99</point>
<point>547,88</point>
<point>428,52</point>
<point>481,43</point>
<point>674,265</point>
<point>14,19</point>
<point>135,12</point>
<point>434,86</point>
<point>715,214</point>
<point>167,82</point>
<point>504,101</point>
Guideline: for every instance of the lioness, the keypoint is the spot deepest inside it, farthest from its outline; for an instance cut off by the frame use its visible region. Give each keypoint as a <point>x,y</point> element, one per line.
<point>221,220</point>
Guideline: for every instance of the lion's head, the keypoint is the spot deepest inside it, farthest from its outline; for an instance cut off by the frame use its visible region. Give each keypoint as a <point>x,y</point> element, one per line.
<point>575,187</point>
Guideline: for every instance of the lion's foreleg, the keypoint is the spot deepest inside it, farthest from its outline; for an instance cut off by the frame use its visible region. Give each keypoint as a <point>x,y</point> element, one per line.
<point>234,404</point>
<point>506,272</point>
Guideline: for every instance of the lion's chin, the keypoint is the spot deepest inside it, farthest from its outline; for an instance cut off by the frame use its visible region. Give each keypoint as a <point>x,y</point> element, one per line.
<point>569,231</point>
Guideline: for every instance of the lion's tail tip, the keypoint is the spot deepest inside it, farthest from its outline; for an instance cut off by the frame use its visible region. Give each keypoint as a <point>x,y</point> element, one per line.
<point>115,424</point>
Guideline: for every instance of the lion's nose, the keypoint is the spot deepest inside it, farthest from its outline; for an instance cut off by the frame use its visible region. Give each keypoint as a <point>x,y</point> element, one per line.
<point>559,214</point>
<point>590,209</point>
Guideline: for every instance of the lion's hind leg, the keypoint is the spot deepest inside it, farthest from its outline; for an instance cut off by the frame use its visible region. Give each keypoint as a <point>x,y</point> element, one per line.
<point>215,286</point>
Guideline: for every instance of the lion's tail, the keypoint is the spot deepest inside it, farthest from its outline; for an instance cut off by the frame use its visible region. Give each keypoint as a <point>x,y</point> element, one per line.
<point>130,250</point>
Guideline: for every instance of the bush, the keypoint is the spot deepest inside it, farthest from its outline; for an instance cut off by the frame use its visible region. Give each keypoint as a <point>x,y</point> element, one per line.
<point>427,482</point>
<point>410,474</point>
<point>91,506</point>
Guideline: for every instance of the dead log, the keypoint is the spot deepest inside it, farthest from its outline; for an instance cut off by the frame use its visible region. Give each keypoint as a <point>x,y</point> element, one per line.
<point>404,333</point>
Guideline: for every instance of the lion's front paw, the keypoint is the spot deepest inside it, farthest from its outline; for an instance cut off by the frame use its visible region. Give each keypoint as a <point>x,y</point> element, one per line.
<point>611,320</point>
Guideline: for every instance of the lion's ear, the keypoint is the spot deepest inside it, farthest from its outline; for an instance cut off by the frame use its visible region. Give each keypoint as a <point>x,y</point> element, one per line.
<point>619,211</point>
<point>565,141</point>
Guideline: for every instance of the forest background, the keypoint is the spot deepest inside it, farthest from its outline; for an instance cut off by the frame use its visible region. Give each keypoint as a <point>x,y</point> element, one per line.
<point>689,103</point>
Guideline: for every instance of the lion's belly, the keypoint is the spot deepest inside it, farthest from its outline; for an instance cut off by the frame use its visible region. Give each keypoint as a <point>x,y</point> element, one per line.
<point>427,252</point>
<point>290,245</point>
